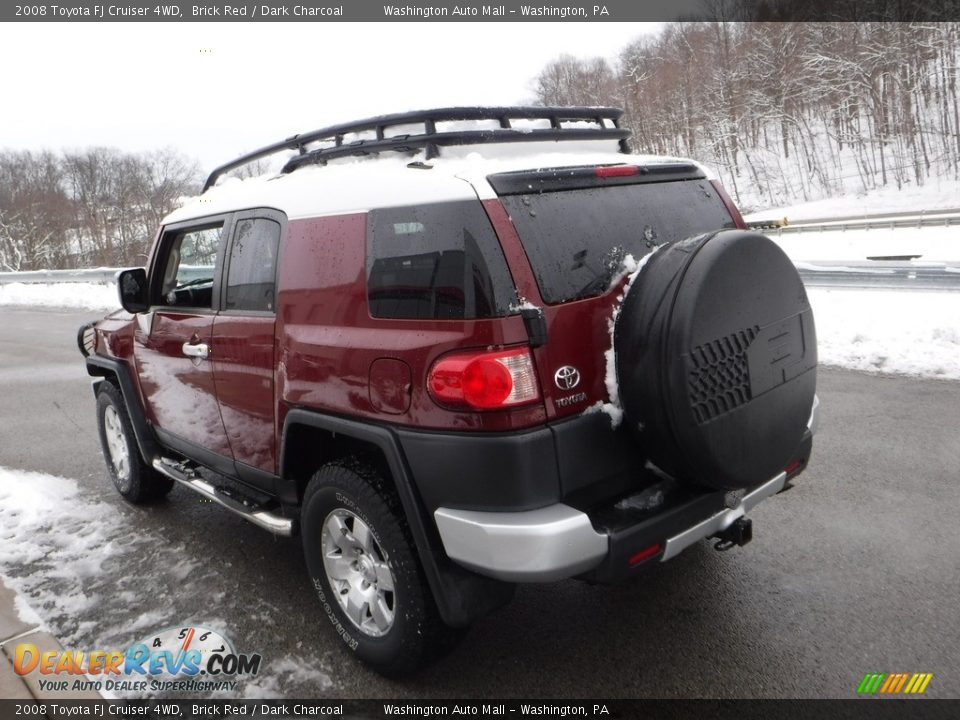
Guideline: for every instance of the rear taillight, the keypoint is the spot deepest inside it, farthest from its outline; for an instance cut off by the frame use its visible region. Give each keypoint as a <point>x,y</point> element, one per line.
<point>484,380</point>
<point>728,204</point>
<point>793,467</point>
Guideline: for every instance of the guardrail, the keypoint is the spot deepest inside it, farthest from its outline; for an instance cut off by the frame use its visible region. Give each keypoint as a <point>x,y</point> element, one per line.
<point>882,275</point>
<point>102,276</point>
<point>99,276</point>
<point>874,221</point>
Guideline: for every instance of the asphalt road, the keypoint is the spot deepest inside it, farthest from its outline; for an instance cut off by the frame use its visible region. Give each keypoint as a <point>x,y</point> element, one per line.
<point>855,570</point>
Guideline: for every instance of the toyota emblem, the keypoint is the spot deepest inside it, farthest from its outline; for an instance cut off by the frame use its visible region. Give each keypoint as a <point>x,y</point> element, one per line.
<point>567,377</point>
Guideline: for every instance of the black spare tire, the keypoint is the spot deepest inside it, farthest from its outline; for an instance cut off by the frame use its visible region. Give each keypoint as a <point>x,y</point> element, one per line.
<point>716,358</point>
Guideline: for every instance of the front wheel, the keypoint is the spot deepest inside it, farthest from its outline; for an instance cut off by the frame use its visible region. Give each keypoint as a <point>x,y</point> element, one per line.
<point>364,568</point>
<point>134,479</point>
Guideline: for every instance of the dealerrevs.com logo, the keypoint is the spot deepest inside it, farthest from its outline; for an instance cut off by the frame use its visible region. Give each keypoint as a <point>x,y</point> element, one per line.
<point>186,659</point>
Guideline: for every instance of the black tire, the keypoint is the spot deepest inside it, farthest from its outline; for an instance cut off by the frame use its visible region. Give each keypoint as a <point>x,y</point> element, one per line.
<point>716,355</point>
<point>349,491</point>
<point>136,481</point>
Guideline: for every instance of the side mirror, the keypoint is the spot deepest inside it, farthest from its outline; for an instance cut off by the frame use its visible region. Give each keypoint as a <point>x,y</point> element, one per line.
<point>132,286</point>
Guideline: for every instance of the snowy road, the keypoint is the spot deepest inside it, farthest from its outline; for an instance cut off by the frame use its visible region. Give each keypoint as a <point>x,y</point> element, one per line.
<point>854,570</point>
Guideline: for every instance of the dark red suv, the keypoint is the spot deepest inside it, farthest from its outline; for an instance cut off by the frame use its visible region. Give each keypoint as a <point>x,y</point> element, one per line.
<point>458,350</point>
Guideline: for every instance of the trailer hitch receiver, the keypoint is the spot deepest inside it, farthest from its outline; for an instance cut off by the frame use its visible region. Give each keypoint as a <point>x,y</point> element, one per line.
<point>737,534</point>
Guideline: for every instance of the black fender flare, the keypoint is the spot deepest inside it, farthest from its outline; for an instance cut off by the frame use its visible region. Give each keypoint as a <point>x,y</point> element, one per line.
<point>461,596</point>
<point>100,366</point>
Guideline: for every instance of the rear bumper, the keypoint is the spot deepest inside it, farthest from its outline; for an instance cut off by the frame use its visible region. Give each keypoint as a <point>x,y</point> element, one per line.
<point>722,520</point>
<point>540,545</point>
<point>559,541</point>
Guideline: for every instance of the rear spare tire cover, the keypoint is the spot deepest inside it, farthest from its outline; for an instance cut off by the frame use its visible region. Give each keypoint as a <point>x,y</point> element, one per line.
<point>716,357</point>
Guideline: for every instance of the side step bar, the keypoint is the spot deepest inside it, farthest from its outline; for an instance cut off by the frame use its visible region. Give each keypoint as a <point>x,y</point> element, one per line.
<point>268,521</point>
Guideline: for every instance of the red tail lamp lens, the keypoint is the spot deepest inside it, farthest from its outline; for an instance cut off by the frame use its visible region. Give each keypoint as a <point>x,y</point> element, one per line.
<point>484,380</point>
<point>486,383</point>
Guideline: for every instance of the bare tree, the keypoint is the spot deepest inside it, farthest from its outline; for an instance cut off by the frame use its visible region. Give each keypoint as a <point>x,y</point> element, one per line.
<point>35,211</point>
<point>784,111</point>
<point>571,81</point>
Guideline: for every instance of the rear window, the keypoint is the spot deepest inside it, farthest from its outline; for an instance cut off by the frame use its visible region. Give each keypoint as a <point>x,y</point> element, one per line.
<point>440,261</point>
<point>576,240</point>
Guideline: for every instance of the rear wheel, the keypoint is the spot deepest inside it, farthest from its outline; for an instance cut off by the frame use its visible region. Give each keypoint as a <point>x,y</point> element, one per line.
<point>134,479</point>
<point>364,567</point>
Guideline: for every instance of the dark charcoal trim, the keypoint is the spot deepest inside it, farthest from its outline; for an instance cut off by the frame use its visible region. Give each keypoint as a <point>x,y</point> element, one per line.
<point>214,461</point>
<point>595,460</point>
<point>255,477</point>
<point>99,366</point>
<point>630,538</point>
<point>578,460</point>
<point>461,596</point>
<point>483,471</point>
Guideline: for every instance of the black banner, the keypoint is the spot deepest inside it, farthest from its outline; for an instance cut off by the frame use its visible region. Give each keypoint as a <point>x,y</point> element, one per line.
<point>474,11</point>
<point>858,709</point>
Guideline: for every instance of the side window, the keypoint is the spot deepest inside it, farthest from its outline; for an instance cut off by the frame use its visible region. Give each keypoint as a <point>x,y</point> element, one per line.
<point>190,267</point>
<point>440,261</point>
<point>251,278</point>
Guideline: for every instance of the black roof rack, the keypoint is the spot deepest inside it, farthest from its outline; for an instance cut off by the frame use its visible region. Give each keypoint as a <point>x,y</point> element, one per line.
<point>431,139</point>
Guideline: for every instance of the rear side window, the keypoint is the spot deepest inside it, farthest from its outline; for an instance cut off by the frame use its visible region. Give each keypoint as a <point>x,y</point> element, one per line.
<point>253,265</point>
<point>440,261</point>
<point>576,239</point>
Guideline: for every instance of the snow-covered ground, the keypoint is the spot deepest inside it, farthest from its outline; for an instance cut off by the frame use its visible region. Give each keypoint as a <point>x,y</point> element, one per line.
<point>932,244</point>
<point>937,194</point>
<point>81,296</point>
<point>889,331</point>
<point>69,554</point>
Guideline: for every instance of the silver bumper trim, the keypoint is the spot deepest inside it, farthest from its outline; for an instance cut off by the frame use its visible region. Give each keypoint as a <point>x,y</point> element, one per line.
<point>540,545</point>
<point>558,541</point>
<point>722,520</point>
<point>814,422</point>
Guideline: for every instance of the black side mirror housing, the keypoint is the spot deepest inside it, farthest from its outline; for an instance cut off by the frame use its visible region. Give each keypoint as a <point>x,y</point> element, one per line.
<point>132,286</point>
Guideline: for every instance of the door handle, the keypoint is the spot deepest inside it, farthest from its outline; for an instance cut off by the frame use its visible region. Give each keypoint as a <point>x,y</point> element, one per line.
<point>200,350</point>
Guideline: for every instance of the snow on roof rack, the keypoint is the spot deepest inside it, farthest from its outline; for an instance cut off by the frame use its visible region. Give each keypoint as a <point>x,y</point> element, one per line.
<point>431,139</point>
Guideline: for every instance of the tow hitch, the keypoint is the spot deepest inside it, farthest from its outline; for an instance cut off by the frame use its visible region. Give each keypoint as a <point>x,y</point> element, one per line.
<point>738,534</point>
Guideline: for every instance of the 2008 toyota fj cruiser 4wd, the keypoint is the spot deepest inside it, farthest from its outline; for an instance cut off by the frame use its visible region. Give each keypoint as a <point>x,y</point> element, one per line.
<point>454,365</point>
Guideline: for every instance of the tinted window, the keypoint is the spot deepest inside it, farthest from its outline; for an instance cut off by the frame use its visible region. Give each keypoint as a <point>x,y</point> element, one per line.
<point>251,279</point>
<point>440,261</point>
<point>576,239</point>
<point>190,266</point>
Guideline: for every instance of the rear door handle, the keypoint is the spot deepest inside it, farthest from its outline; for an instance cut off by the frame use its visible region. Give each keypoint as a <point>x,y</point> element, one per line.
<point>199,350</point>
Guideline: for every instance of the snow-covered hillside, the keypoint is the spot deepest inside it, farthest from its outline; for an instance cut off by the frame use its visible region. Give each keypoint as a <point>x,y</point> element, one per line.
<point>936,194</point>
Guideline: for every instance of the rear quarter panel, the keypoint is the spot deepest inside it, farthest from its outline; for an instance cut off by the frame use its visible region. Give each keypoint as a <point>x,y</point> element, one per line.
<point>328,341</point>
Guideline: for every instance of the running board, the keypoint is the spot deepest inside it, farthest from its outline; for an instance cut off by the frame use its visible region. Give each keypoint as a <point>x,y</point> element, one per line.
<point>183,475</point>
